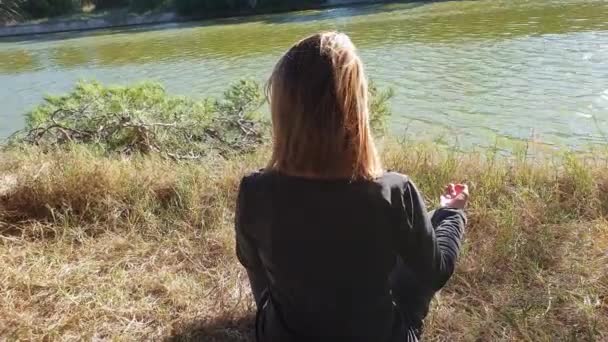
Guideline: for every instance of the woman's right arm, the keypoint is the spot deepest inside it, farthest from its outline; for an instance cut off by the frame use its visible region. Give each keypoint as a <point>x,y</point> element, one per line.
<point>429,245</point>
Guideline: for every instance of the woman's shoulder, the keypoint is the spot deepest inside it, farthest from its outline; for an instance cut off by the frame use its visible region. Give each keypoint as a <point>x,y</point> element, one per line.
<point>393,179</point>
<point>262,177</point>
<point>254,175</point>
<point>255,179</point>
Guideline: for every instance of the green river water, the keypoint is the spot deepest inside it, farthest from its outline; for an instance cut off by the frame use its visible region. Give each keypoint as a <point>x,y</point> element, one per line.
<point>464,72</point>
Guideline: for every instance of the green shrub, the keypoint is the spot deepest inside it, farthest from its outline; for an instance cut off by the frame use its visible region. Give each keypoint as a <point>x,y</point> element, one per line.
<point>201,6</point>
<point>11,11</point>
<point>380,109</point>
<point>148,5</point>
<point>49,8</point>
<point>145,119</point>
<point>286,4</point>
<point>190,7</point>
<point>104,4</point>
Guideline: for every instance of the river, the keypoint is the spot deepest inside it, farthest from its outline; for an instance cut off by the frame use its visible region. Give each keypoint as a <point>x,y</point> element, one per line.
<point>464,72</point>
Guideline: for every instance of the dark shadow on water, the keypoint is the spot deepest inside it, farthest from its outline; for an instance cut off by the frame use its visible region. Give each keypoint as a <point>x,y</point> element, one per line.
<point>340,12</point>
<point>226,329</point>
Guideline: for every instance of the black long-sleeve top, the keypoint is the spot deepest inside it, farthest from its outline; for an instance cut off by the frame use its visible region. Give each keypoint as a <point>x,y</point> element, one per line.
<point>323,250</point>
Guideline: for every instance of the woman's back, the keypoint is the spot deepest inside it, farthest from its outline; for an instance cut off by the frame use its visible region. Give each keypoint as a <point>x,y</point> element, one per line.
<point>327,249</point>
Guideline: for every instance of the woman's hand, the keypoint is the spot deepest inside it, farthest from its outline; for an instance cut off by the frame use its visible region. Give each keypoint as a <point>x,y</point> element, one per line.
<point>455,196</point>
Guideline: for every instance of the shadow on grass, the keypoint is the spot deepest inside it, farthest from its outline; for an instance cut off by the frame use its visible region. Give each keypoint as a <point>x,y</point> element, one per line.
<point>224,329</point>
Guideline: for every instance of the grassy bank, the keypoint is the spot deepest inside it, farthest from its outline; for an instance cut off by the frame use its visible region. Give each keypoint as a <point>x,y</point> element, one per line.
<point>141,248</point>
<point>116,211</point>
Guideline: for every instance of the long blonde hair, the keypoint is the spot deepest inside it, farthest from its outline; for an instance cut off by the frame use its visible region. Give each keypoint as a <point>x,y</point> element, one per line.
<point>318,97</point>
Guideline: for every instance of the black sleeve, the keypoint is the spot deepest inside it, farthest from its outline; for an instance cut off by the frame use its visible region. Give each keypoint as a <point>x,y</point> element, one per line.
<point>429,246</point>
<point>246,250</point>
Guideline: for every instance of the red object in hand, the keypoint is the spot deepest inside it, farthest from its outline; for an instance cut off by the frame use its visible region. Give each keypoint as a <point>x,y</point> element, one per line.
<point>455,196</point>
<point>459,188</point>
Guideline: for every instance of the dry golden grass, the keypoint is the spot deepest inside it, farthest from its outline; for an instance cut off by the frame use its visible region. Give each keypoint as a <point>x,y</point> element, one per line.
<point>142,249</point>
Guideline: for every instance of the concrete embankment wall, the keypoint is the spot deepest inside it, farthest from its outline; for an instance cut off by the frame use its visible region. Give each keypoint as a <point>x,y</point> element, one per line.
<point>87,24</point>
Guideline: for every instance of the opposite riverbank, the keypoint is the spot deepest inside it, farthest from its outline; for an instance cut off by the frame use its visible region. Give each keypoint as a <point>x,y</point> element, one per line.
<point>114,19</point>
<point>124,18</point>
<point>116,223</point>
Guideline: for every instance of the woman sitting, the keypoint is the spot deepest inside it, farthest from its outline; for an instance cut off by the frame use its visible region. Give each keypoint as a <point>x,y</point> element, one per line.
<point>336,248</point>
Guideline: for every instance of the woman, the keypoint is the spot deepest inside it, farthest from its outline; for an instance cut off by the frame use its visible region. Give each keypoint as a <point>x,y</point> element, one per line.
<point>335,248</point>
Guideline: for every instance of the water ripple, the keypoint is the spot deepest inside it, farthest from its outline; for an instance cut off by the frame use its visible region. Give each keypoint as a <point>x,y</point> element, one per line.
<point>484,68</point>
